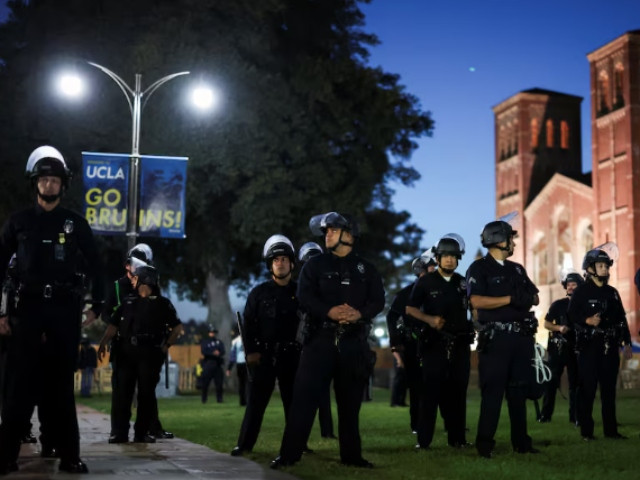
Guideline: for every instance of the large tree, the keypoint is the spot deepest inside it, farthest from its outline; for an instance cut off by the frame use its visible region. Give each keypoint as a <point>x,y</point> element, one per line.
<point>305,125</point>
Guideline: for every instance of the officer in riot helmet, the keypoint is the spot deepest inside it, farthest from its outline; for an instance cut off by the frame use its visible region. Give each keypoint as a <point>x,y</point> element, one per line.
<point>561,350</point>
<point>141,253</point>
<point>269,332</point>
<point>404,332</point>
<point>342,293</point>
<point>600,322</point>
<point>49,242</point>
<point>439,300</point>
<point>148,326</point>
<point>503,295</point>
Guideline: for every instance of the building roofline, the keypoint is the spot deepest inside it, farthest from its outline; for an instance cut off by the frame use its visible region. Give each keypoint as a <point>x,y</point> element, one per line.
<point>629,35</point>
<point>558,179</point>
<point>535,93</point>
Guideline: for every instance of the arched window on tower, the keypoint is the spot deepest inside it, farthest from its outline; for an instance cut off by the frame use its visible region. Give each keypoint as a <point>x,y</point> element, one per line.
<point>618,79</point>
<point>549,128</point>
<point>603,93</point>
<point>564,135</point>
<point>535,132</point>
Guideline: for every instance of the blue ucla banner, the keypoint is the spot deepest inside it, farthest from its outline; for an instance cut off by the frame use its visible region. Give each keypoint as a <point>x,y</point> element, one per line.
<point>162,194</point>
<point>163,187</point>
<point>106,187</point>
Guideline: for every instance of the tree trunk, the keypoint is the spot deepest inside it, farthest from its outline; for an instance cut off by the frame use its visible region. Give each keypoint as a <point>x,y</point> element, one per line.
<point>220,314</point>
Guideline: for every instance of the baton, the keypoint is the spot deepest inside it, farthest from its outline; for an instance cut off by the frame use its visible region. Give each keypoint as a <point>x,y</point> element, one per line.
<point>239,317</point>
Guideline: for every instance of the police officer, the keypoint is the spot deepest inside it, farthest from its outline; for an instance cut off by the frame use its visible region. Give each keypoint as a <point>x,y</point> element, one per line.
<point>144,342</point>
<point>269,330</point>
<point>439,299</point>
<point>601,328</point>
<point>308,250</point>
<point>561,350</point>
<point>212,349</point>
<point>503,294</point>
<point>112,312</point>
<point>49,241</point>
<point>342,293</point>
<point>404,332</point>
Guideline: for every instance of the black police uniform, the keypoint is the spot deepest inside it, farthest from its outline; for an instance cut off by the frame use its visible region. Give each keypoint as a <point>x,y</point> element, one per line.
<point>598,352</point>
<point>122,289</point>
<point>333,351</point>
<point>404,332</point>
<point>212,366</point>
<point>142,330</point>
<point>561,349</point>
<point>269,328</point>
<point>445,355</point>
<point>506,350</point>
<point>49,247</point>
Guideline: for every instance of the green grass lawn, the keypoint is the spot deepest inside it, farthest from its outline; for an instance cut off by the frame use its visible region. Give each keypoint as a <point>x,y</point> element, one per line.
<point>388,442</point>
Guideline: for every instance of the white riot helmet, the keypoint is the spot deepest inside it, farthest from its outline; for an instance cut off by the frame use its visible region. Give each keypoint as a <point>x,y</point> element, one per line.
<point>308,250</point>
<point>275,246</point>
<point>48,161</point>
<point>141,251</point>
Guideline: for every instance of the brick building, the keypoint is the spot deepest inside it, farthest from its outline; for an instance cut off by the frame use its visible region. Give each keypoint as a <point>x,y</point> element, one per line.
<point>563,212</point>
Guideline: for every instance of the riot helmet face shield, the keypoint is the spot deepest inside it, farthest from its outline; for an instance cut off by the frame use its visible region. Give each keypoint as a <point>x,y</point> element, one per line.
<point>309,250</point>
<point>142,252</point>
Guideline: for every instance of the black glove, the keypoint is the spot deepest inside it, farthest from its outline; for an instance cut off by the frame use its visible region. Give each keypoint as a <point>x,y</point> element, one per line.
<point>522,299</point>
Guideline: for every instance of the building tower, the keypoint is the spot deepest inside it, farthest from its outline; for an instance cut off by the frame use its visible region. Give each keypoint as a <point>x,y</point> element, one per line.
<point>537,134</point>
<point>615,145</point>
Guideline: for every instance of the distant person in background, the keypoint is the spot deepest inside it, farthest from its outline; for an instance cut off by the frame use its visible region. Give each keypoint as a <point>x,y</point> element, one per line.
<point>213,351</point>
<point>237,359</point>
<point>87,364</point>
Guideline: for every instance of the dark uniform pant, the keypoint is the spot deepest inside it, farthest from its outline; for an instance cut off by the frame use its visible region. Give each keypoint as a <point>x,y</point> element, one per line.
<point>594,367</point>
<point>413,372</point>
<point>281,366</point>
<point>321,361</point>
<point>241,372</point>
<point>558,360</point>
<point>41,361</point>
<point>324,414</point>
<point>505,367</point>
<point>139,365</point>
<point>212,370</point>
<point>445,381</point>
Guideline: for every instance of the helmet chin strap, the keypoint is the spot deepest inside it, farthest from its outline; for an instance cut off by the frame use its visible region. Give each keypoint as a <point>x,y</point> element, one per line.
<point>49,198</point>
<point>603,278</point>
<point>340,242</point>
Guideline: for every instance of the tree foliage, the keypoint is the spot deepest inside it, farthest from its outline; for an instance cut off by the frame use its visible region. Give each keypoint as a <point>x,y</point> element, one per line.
<point>305,124</point>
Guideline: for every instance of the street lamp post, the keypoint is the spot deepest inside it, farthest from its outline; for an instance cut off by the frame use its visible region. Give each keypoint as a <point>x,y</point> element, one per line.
<point>135,99</point>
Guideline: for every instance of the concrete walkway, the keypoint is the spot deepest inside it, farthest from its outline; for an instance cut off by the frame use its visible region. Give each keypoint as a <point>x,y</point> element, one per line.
<point>164,460</point>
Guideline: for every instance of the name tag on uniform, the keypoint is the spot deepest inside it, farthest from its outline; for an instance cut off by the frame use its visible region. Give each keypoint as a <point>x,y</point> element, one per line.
<point>345,281</point>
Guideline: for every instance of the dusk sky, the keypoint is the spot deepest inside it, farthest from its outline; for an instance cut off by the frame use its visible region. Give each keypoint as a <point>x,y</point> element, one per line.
<point>460,58</point>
